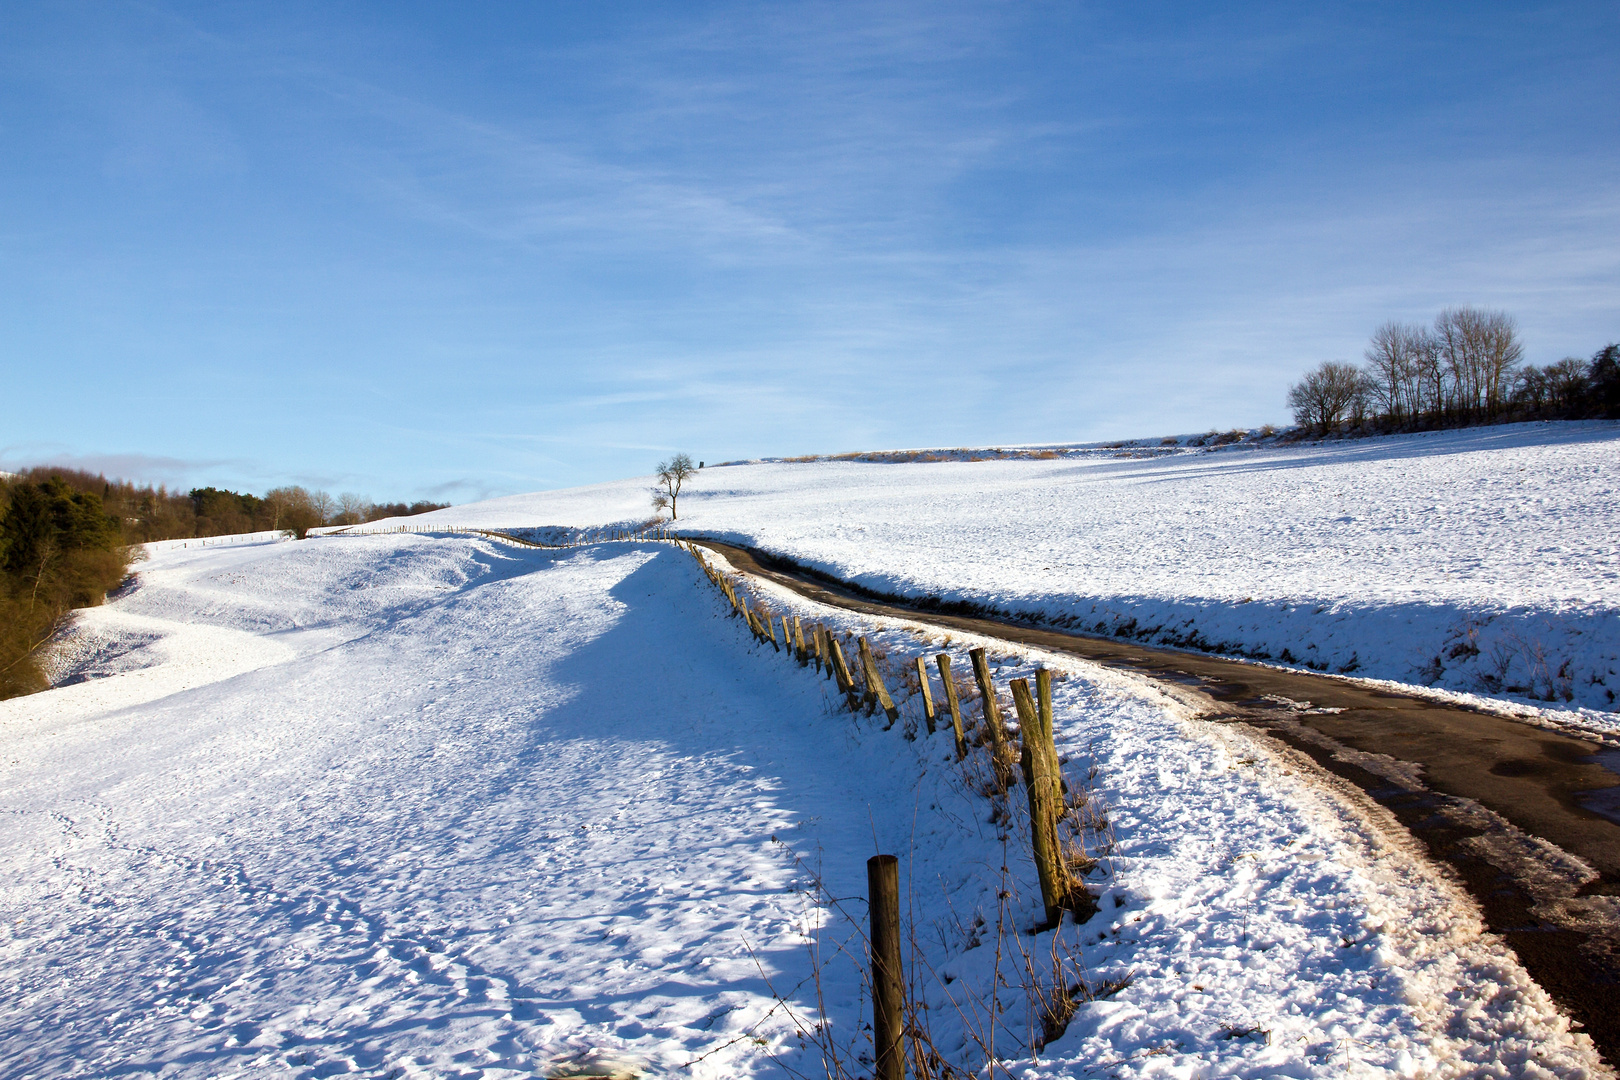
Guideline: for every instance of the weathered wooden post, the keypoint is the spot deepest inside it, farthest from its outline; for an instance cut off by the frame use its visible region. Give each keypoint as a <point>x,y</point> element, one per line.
<point>875,690</point>
<point>888,987</point>
<point>798,642</point>
<point>863,657</point>
<point>1044,787</point>
<point>952,703</point>
<point>841,673</point>
<point>770,626</point>
<point>927,695</point>
<point>818,648</point>
<point>992,717</point>
<point>1043,706</point>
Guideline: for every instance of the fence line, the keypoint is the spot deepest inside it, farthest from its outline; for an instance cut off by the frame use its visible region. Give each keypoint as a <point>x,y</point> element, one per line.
<point>1033,746</point>
<point>265,536</point>
<point>862,685</point>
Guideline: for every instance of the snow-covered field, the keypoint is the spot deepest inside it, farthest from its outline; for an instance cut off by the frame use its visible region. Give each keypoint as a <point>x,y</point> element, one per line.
<point>411,806</point>
<point>1484,561</point>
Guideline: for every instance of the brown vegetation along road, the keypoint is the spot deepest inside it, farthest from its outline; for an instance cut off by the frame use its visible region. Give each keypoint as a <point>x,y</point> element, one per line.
<point>1528,817</point>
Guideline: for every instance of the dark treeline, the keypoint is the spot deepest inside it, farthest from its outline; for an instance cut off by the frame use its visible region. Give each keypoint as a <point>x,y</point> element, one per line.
<point>145,512</point>
<point>1465,369</point>
<point>67,538</point>
<point>59,549</point>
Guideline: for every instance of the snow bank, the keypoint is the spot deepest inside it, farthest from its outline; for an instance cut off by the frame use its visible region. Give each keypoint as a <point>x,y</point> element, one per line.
<point>401,806</point>
<point>1483,561</point>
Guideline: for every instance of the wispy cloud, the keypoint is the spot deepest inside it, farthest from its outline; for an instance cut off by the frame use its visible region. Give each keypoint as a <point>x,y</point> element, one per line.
<point>134,466</point>
<point>547,254</point>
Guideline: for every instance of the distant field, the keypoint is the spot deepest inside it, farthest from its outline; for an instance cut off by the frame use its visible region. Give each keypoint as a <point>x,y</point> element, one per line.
<point>1485,561</point>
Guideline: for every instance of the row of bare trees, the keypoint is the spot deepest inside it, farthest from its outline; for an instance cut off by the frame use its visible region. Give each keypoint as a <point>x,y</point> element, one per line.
<point>1465,368</point>
<point>300,509</point>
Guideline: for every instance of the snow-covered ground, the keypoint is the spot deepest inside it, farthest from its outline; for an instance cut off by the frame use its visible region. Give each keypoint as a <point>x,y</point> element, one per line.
<point>411,806</point>
<point>1484,561</point>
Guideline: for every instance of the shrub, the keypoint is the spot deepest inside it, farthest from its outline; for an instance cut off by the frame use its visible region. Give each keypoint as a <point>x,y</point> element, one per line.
<point>59,550</point>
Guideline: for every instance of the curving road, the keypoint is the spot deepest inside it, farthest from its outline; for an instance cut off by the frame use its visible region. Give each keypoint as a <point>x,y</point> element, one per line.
<point>1527,816</point>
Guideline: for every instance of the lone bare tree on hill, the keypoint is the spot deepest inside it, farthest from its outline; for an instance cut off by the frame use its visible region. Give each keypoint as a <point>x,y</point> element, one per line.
<point>671,475</point>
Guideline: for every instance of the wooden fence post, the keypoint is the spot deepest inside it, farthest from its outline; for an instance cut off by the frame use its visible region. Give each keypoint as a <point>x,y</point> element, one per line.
<point>798,642</point>
<point>992,717</point>
<point>1075,895</point>
<point>927,695</point>
<point>888,988</point>
<point>875,690</point>
<point>833,668</point>
<point>951,702</point>
<point>1043,705</point>
<point>770,626</point>
<point>1043,785</point>
<point>841,673</point>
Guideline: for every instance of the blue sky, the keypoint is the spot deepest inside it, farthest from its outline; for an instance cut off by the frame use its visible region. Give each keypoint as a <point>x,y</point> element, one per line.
<point>451,250</point>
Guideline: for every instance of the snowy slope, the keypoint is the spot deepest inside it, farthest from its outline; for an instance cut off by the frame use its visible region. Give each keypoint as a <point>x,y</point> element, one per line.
<point>1484,561</point>
<point>401,806</point>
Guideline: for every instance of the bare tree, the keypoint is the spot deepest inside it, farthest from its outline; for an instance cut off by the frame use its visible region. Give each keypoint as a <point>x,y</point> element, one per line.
<point>1603,381</point>
<point>1390,370</point>
<point>1431,374</point>
<point>671,475</point>
<point>1501,353</point>
<point>352,509</point>
<point>1404,377</point>
<point>1454,330</point>
<point>1530,389</point>
<point>1481,350</point>
<point>1566,383</point>
<point>1327,395</point>
<point>296,509</point>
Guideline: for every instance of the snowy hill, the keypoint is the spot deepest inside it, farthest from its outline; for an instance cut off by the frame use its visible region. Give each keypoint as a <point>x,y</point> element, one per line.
<point>1484,561</point>
<point>421,807</point>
